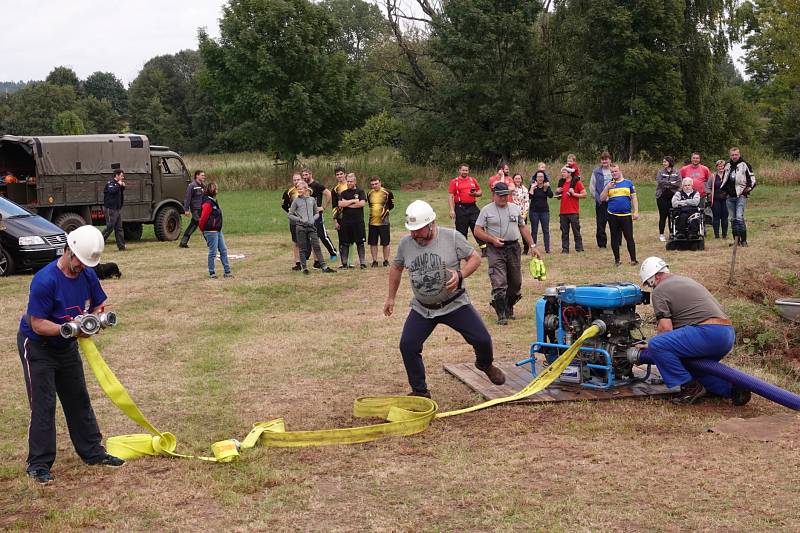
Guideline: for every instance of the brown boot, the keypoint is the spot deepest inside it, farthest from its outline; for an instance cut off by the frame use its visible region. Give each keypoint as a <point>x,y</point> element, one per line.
<point>494,374</point>
<point>690,393</point>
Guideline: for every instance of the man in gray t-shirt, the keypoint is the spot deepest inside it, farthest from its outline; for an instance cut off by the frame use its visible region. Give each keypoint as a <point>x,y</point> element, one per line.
<point>433,257</point>
<point>690,323</point>
<point>500,224</point>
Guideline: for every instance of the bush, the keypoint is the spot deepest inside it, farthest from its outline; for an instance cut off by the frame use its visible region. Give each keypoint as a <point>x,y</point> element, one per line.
<point>379,130</point>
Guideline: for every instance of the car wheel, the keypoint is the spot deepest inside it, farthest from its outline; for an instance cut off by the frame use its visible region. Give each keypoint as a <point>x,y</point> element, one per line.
<point>132,231</point>
<point>69,221</point>
<point>168,224</point>
<point>6,263</point>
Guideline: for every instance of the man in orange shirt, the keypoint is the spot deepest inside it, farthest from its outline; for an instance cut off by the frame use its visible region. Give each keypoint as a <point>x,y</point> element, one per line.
<point>503,175</point>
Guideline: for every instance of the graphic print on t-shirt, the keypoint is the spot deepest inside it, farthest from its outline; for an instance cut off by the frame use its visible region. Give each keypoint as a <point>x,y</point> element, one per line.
<point>428,275</point>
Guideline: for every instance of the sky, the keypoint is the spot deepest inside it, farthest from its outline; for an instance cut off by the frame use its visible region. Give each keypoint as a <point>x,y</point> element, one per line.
<point>116,36</point>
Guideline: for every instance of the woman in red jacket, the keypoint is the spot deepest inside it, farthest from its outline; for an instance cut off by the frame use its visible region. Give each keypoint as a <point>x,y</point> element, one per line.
<point>211,226</point>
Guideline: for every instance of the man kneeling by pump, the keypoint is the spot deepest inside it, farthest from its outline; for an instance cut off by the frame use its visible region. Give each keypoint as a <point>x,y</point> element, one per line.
<point>690,324</point>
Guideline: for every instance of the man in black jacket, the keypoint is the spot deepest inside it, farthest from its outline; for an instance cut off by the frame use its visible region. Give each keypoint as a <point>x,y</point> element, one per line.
<point>192,204</point>
<point>113,197</point>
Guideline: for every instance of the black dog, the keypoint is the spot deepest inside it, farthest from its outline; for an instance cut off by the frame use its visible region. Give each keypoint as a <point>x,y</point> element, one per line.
<point>107,270</point>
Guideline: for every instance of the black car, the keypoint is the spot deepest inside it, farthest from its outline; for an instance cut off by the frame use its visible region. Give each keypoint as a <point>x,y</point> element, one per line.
<point>27,241</point>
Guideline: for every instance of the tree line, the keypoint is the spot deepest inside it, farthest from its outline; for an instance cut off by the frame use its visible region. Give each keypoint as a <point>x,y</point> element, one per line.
<point>447,81</point>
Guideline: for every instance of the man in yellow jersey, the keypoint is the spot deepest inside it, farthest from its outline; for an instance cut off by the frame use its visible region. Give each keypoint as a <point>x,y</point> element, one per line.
<point>381,202</point>
<point>288,197</point>
<point>341,186</point>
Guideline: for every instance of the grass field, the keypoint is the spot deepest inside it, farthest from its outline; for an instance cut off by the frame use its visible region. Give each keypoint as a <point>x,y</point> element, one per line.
<point>205,359</point>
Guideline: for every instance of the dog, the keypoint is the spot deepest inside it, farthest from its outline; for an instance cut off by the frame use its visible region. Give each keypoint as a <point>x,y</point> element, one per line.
<point>107,271</point>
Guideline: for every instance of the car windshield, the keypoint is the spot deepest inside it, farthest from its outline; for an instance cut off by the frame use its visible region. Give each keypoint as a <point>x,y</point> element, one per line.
<point>9,209</point>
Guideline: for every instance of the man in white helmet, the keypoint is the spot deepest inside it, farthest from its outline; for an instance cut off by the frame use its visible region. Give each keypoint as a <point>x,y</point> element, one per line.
<point>690,324</point>
<point>433,257</point>
<point>51,364</point>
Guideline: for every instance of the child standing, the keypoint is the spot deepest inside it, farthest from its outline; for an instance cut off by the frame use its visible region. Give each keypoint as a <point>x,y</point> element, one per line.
<point>211,225</point>
<point>303,212</point>
<point>571,192</point>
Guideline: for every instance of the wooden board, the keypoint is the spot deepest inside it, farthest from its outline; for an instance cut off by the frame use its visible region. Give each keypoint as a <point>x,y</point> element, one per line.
<point>518,377</point>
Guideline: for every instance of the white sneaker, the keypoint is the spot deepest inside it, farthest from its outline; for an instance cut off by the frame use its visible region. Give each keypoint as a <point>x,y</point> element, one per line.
<point>662,238</point>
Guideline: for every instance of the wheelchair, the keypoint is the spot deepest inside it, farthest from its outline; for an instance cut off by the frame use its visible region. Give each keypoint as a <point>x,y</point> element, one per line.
<point>687,228</point>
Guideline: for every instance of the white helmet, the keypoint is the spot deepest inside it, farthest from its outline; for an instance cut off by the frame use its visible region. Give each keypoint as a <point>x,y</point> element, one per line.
<point>418,215</point>
<point>86,243</point>
<point>652,266</point>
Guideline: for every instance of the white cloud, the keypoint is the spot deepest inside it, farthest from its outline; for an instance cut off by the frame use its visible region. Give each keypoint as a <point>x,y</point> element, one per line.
<point>116,36</point>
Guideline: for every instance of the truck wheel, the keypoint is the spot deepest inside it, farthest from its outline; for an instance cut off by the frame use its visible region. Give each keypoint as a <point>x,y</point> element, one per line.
<point>132,231</point>
<point>6,263</point>
<point>167,224</point>
<point>69,221</point>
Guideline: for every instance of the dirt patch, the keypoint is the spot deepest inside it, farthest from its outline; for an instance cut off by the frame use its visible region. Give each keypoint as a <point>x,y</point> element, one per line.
<point>418,184</point>
<point>758,286</point>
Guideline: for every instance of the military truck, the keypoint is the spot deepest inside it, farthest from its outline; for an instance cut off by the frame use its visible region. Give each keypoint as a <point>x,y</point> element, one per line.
<point>62,178</point>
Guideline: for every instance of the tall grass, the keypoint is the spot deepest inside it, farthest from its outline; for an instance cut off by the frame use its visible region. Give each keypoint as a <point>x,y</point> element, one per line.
<point>257,170</point>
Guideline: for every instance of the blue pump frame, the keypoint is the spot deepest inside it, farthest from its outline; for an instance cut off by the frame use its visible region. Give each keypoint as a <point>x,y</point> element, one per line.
<point>610,382</point>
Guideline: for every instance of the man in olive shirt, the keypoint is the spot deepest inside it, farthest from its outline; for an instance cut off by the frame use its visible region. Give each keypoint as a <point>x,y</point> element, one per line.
<point>691,323</point>
<point>500,225</point>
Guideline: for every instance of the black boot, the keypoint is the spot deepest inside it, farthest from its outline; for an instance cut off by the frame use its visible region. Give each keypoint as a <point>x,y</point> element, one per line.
<point>690,393</point>
<point>743,238</point>
<point>499,304</point>
<point>510,302</point>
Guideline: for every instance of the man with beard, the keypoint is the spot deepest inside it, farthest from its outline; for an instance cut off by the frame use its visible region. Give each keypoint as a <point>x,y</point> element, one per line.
<point>433,257</point>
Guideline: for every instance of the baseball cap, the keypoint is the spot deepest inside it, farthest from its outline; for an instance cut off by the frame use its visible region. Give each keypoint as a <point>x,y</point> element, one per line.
<point>501,189</point>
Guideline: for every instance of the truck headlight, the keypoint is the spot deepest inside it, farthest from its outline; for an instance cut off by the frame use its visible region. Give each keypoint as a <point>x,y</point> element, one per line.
<point>30,241</point>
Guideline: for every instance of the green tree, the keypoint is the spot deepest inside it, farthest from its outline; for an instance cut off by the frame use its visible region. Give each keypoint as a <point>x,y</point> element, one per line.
<point>64,76</point>
<point>33,109</point>
<point>361,26</point>
<point>105,85</point>
<point>68,123</point>
<point>276,65</point>
<point>161,99</point>
<point>627,70</point>
<point>100,116</point>
<point>773,39</point>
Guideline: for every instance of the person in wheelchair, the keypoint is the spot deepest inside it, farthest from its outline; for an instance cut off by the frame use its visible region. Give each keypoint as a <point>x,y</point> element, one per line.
<point>686,211</point>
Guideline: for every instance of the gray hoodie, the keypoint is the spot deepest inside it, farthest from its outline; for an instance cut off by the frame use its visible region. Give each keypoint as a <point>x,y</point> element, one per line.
<point>303,211</point>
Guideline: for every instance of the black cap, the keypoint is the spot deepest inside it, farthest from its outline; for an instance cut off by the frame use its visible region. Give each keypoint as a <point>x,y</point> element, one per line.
<point>501,189</point>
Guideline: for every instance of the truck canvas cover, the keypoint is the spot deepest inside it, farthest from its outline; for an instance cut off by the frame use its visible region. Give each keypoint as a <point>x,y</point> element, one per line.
<point>85,154</point>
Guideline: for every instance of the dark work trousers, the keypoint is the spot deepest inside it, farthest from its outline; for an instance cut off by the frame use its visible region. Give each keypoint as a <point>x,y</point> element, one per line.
<point>601,212</point>
<point>307,240</point>
<point>619,226</point>
<point>465,320</point>
<point>719,212</point>
<point>466,216</point>
<point>48,371</point>
<point>542,218</point>
<point>114,223</point>
<point>322,235</point>
<point>572,221</point>
<point>192,226</point>
<point>664,203</point>
<point>504,271</point>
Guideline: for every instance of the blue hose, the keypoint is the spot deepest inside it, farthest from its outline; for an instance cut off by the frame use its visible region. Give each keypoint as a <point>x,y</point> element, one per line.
<point>737,378</point>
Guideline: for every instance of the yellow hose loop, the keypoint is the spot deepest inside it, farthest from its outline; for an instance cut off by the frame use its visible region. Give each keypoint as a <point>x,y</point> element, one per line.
<point>404,415</point>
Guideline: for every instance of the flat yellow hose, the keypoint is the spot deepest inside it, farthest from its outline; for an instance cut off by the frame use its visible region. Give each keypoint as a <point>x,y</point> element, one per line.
<point>404,415</point>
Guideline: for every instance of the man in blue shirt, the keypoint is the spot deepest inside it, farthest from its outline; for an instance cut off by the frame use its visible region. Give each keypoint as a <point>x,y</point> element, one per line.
<point>623,209</point>
<point>51,364</point>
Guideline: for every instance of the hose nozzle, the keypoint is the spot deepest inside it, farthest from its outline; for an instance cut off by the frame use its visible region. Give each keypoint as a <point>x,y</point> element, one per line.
<point>88,324</point>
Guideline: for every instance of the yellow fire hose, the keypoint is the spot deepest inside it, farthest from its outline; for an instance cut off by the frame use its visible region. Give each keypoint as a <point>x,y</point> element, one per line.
<point>404,415</point>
